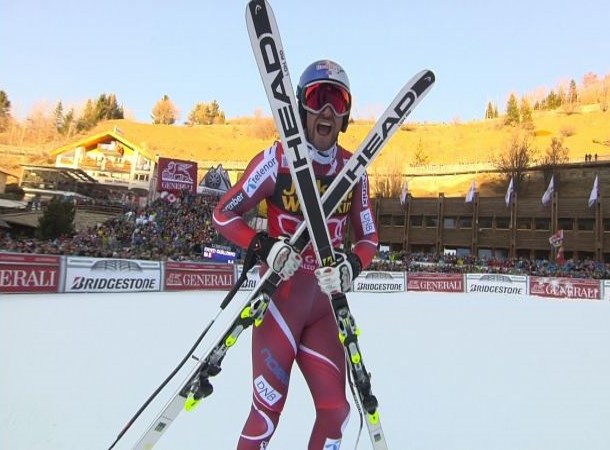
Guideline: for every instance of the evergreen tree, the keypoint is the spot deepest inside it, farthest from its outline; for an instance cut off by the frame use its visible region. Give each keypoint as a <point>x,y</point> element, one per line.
<point>489,112</point>
<point>57,219</point>
<point>107,108</point>
<point>89,117</point>
<point>512,111</point>
<point>552,100</point>
<point>216,114</point>
<point>206,114</point>
<point>572,93</point>
<point>526,114</point>
<point>68,125</point>
<point>198,115</point>
<point>421,156</point>
<point>58,115</point>
<point>5,110</point>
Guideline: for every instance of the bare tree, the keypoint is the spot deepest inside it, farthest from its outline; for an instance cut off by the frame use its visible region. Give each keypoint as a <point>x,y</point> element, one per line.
<point>515,159</point>
<point>40,125</point>
<point>555,154</point>
<point>604,94</point>
<point>386,182</point>
<point>165,112</point>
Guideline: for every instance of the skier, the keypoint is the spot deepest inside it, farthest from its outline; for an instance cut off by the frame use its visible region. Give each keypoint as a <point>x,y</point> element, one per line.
<point>300,324</point>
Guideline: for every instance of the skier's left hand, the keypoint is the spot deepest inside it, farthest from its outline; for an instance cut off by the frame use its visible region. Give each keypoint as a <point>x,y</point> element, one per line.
<point>338,277</point>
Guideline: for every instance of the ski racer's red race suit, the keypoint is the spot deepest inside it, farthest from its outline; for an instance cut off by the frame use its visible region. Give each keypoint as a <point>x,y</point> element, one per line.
<point>299,324</point>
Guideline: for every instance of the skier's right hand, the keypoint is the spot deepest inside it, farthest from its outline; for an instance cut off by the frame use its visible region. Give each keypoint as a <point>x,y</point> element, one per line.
<point>279,255</point>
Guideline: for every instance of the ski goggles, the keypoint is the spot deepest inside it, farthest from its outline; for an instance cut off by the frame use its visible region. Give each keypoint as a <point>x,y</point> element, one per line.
<point>316,96</point>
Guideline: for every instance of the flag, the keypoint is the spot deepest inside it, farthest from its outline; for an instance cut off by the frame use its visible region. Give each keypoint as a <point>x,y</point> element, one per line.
<point>509,192</point>
<point>471,192</point>
<point>556,239</point>
<point>594,192</point>
<point>548,194</point>
<point>560,258</point>
<point>404,194</point>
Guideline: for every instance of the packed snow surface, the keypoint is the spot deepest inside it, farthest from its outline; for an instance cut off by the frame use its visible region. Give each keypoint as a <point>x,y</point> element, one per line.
<point>451,372</point>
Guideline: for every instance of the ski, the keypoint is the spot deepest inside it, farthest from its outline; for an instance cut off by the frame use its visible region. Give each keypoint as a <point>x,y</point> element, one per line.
<point>196,385</point>
<point>273,68</point>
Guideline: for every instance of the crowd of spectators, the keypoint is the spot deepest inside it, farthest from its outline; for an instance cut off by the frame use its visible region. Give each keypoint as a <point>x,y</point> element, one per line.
<point>179,230</point>
<point>432,262</point>
<point>163,230</point>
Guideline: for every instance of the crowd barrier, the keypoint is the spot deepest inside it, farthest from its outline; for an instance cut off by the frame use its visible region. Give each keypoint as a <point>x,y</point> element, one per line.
<point>32,273</point>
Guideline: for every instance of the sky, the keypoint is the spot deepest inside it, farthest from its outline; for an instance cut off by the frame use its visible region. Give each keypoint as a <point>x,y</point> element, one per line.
<point>198,51</point>
<point>451,371</point>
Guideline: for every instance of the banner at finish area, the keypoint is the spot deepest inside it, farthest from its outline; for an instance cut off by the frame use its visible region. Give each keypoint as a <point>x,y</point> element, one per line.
<point>606,287</point>
<point>574,288</point>
<point>20,272</point>
<point>176,175</point>
<point>380,282</point>
<point>112,275</point>
<point>180,276</point>
<point>435,282</point>
<point>253,277</point>
<point>494,283</point>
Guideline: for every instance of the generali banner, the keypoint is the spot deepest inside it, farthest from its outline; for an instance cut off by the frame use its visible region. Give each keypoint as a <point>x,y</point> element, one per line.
<point>112,275</point>
<point>435,282</point>
<point>181,276</point>
<point>494,283</point>
<point>176,175</point>
<point>380,282</point>
<point>20,272</point>
<point>575,288</point>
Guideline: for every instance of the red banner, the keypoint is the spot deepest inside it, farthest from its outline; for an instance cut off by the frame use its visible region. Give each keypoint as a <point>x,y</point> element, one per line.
<point>21,272</point>
<point>176,175</point>
<point>181,276</point>
<point>436,282</point>
<point>576,288</point>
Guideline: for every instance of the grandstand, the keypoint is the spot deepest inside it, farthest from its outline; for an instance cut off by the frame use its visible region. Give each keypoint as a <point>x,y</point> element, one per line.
<point>45,182</point>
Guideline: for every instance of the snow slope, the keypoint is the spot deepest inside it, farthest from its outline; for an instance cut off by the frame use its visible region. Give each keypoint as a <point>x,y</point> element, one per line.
<point>451,371</point>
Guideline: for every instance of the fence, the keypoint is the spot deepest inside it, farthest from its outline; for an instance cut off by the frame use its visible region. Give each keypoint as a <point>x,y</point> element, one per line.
<point>30,273</point>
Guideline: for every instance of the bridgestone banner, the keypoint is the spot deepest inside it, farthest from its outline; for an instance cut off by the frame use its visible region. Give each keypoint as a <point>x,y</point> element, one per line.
<point>435,282</point>
<point>606,286</point>
<point>493,283</point>
<point>181,276</point>
<point>379,282</point>
<point>574,288</point>
<point>20,272</point>
<point>112,275</point>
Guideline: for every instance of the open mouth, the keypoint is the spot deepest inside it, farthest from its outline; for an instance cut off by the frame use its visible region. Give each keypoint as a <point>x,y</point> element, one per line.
<point>323,129</point>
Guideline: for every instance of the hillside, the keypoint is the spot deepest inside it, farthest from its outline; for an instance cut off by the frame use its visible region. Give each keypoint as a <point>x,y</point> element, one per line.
<point>587,131</point>
<point>478,141</point>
